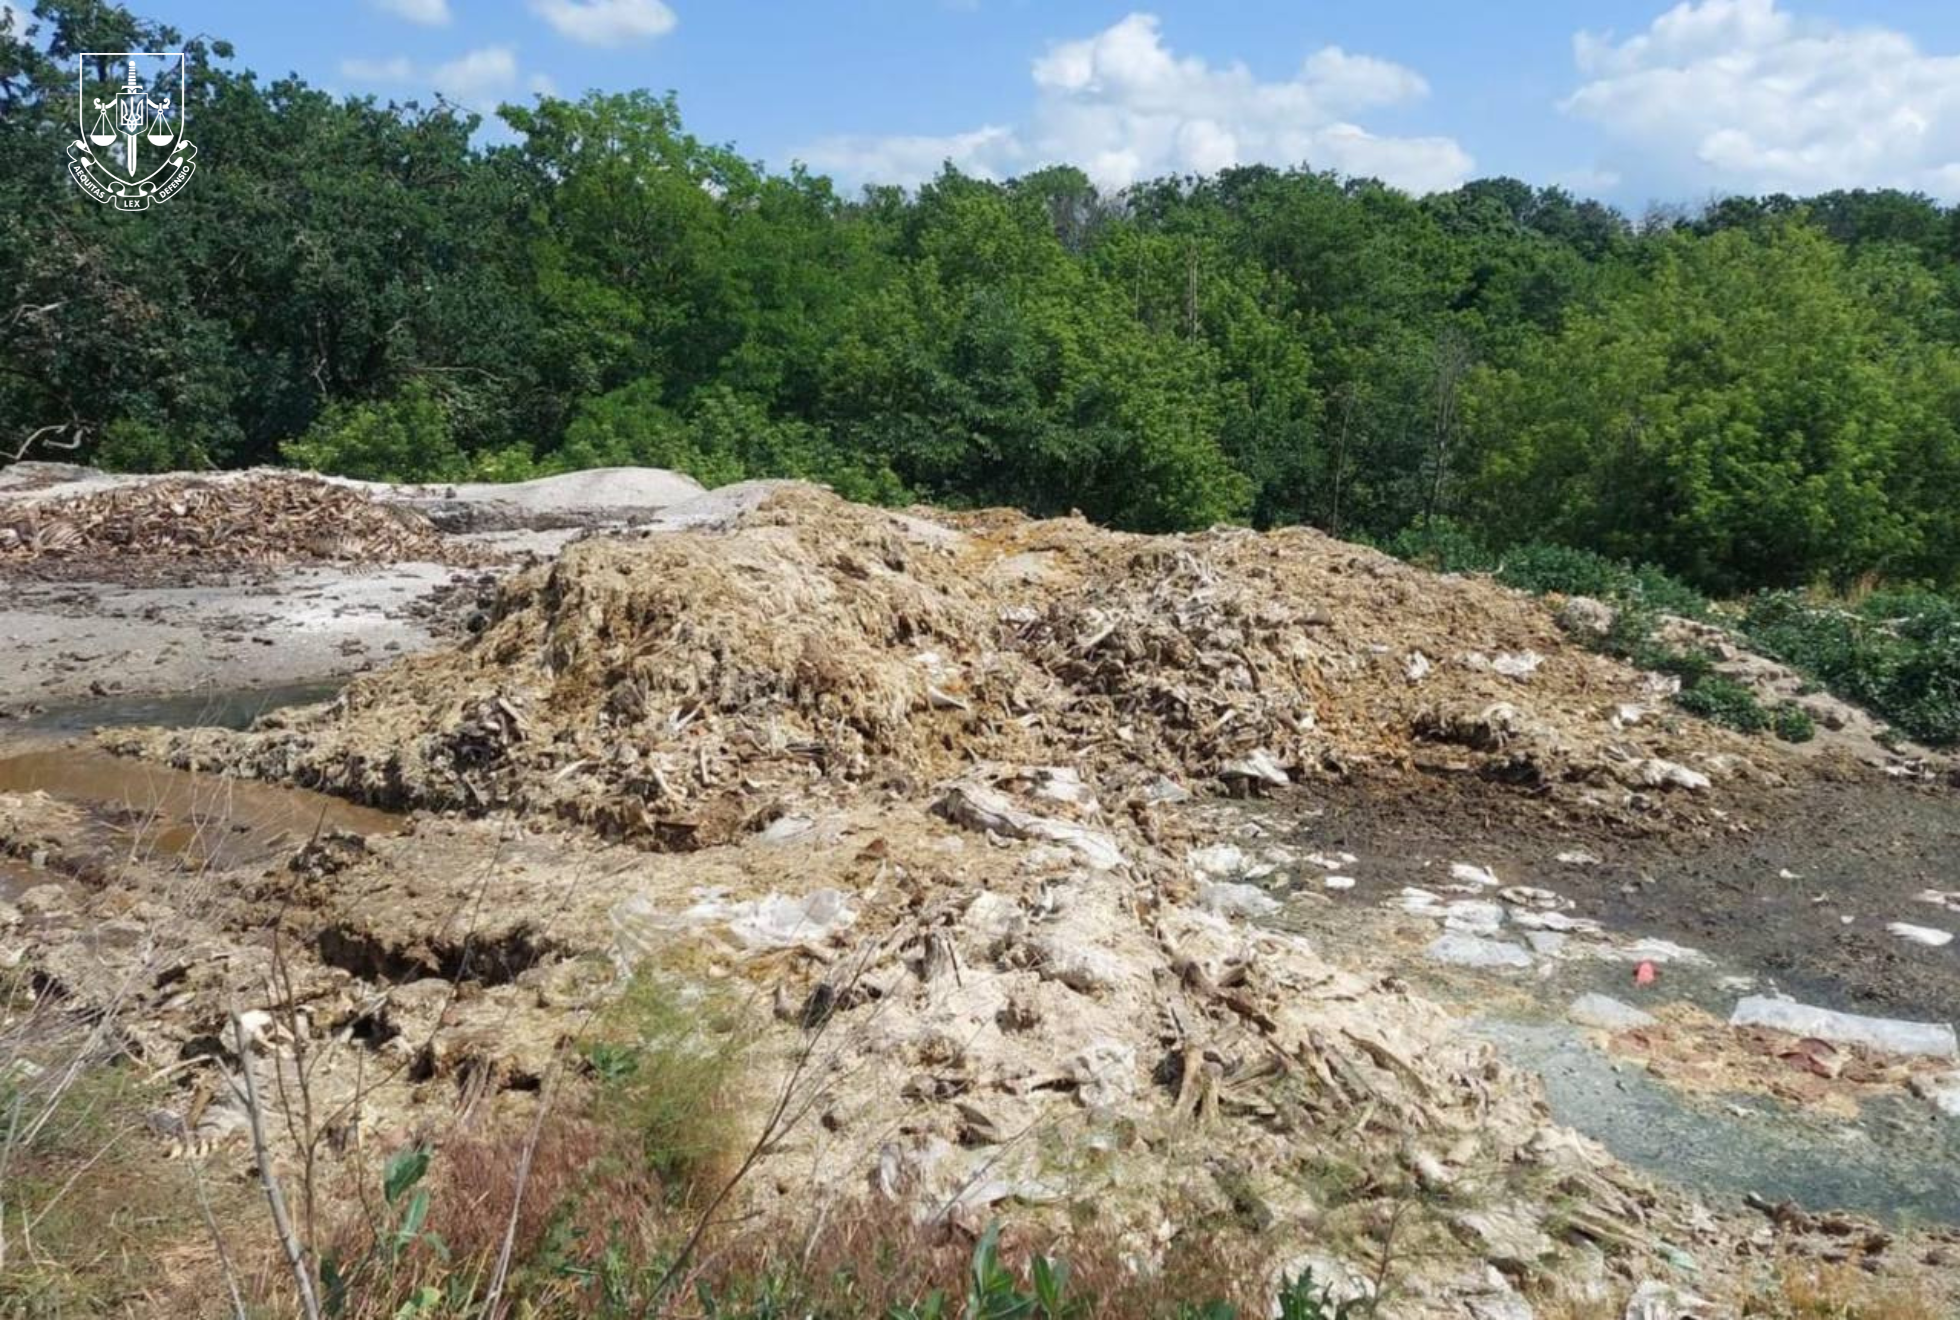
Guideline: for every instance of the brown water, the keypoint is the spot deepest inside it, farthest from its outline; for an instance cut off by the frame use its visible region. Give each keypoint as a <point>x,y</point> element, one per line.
<point>199,818</point>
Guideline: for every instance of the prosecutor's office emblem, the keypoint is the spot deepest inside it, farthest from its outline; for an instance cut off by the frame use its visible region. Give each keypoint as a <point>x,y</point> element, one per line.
<point>129,106</point>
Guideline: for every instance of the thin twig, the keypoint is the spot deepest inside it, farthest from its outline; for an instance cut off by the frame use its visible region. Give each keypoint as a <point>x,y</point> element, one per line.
<point>295,1254</point>
<point>493,1299</point>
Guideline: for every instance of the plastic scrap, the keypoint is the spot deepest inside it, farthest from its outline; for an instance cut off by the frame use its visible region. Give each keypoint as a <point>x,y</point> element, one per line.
<point>1929,936</point>
<point>1462,950</point>
<point>1892,1034</point>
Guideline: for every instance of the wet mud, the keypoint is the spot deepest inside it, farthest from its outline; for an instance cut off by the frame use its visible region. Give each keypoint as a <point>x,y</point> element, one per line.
<point>1768,894</point>
<point>1898,1163</point>
<point>199,819</point>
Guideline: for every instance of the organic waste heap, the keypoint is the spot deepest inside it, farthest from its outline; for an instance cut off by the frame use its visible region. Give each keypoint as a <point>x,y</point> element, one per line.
<point>261,519</point>
<point>899,791</point>
<point>679,687</point>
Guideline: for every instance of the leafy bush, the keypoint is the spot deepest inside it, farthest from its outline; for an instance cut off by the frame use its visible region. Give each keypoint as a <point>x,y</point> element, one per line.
<point>406,438</point>
<point>1449,546</point>
<point>1725,702</point>
<point>1544,568</point>
<point>1632,638</point>
<point>1444,545</point>
<point>133,446</point>
<point>1896,653</point>
<point>1792,723</point>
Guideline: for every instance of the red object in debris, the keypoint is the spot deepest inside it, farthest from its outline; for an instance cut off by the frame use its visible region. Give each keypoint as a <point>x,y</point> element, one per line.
<point>1645,974</point>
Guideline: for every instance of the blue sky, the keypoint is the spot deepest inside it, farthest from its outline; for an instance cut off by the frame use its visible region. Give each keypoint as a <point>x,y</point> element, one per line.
<point>1633,102</point>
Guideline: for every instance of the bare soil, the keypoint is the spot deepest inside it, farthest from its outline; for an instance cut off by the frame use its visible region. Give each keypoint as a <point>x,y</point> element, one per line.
<point>929,795</point>
<point>1766,890</point>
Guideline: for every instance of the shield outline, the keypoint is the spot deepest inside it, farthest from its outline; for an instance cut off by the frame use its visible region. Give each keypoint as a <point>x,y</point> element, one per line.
<point>104,162</point>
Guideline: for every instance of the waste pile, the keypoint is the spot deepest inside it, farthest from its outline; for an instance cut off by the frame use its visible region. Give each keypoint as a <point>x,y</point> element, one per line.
<point>900,785</point>
<point>681,687</point>
<point>258,520</point>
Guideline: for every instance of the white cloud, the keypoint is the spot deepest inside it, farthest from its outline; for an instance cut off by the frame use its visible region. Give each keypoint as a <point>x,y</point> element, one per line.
<point>398,69</point>
<point>1588,182</point>
<point>988,153</point>
<point>429,13</point>
<point>1741,95</point>
<point>607,22</point>
<point>477,79</point>
<point>1123,106</point>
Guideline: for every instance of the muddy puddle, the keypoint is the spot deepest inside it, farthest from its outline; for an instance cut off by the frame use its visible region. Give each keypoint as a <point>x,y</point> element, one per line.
<point>200,819</point>
<point>1898,1163</point>
<point>224,710</point>
<point>1897,1159</point>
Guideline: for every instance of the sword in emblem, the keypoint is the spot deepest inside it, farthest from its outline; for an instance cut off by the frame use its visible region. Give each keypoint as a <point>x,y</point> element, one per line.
<point>130,114</point>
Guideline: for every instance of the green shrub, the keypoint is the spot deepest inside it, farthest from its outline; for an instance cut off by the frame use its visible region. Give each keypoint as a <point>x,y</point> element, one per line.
<point>1725,702</point>
<point>406,438</point>
<point>1632,639</point>
<point>671,1060</point>
<point>1896,653</point>
<point>133,446</point>
<point>1541,568</point>
<point>1792,723</point>
<point>1448,546</point>
<point>1444,545</point>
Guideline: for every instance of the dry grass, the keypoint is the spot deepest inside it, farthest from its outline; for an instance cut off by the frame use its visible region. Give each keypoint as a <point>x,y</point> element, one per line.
<point>98,1221</point>
<point>1806,1290</point>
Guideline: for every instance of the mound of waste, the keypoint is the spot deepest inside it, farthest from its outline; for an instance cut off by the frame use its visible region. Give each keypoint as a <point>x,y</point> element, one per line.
<point>905,768</point>
<point>262,519</point>
<point>679,687</point>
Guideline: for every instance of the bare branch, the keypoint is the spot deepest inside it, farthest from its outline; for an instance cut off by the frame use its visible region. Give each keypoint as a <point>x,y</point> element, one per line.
<point>295,1254</point>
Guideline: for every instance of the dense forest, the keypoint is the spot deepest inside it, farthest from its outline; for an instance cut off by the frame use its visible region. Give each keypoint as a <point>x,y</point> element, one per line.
<point>1762,393</point>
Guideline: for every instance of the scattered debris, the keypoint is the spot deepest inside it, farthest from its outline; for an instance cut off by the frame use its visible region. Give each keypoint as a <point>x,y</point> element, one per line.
<point>1655,1300</point>
<point>1465,950</point>
<point>1583,614</point>
<point>1942,1092</point>
<point>264,519</point>
<point>772,922</point>
<point>1520,666</point>
<point>1229,899</point>
<point>1607,1013</point>
<point>1932,1038</point>
<point>1929,936</point>
<point>980,807</point>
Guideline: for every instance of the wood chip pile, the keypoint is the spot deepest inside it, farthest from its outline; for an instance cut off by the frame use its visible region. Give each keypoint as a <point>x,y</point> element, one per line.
<point>675,689</point>
<point>257,520</point>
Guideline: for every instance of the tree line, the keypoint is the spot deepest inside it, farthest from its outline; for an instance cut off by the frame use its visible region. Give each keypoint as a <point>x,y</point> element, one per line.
<point>1761,393</point>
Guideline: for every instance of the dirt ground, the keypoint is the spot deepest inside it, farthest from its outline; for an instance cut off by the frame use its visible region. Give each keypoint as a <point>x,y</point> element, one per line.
<point>88,625</point>
<point>1768,889</point>
<point>1012,818</point>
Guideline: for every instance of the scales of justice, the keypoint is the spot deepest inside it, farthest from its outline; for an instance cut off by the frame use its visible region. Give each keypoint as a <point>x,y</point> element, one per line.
<point>129,107</point>
<point>119,124</point>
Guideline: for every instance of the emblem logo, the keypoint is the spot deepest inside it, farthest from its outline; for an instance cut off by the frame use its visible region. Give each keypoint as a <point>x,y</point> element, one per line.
<point>132,150</point>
